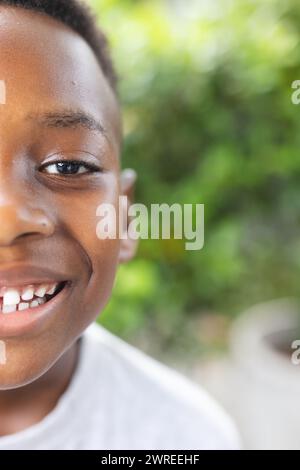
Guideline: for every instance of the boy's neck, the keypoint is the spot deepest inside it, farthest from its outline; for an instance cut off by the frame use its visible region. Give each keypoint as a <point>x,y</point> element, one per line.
<point>25,406</point>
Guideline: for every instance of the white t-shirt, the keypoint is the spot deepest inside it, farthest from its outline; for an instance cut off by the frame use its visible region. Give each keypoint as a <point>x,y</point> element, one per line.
<point>121,398</point>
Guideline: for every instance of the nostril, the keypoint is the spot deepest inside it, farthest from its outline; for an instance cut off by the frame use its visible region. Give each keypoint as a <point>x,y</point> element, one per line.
<point>18,222</point>
<point>25,235</point>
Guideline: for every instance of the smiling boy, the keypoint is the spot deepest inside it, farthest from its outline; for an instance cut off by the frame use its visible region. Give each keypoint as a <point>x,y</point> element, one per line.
<point>65,383</point>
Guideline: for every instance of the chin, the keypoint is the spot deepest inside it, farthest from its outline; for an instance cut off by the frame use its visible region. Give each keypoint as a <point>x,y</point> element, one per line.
<point>23,367</point>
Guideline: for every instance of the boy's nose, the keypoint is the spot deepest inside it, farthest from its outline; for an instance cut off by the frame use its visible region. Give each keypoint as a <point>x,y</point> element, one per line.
<point>19,221</point>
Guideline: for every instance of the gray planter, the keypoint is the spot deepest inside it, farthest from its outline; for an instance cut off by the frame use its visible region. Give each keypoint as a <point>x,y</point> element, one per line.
<point>265,381</point>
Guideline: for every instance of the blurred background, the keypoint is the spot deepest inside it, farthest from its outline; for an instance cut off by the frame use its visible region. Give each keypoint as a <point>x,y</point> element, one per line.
<point>206,92</point>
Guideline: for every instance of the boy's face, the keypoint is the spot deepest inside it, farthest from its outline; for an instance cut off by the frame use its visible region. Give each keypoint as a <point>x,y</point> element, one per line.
<point>48,209</point>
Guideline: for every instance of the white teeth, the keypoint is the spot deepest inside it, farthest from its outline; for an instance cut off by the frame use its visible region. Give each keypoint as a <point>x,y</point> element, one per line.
<point>9,309</point>
<point>11,297</point>
<point>23,306</point>
<point>41,291</point>
<point>51,290</point>
<point>27,293</point>
<point>30,296</point>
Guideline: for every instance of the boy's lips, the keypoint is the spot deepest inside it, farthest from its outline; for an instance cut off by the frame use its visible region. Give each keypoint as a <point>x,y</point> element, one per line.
<point>24,275</point>
<point>28,296</point>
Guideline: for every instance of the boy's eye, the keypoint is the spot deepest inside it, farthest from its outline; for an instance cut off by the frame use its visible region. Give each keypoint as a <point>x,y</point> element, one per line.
<point>67,168</point>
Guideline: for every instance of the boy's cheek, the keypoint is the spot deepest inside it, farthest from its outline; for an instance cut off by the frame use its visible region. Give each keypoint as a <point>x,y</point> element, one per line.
<point>101,254</point>
<point>104,255</point>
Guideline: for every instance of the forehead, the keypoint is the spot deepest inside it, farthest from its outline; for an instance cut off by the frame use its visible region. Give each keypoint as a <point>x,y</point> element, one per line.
<point>45,65</point>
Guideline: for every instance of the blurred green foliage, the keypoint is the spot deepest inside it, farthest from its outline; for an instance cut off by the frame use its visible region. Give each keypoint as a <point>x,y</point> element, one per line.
<point>206,94</point>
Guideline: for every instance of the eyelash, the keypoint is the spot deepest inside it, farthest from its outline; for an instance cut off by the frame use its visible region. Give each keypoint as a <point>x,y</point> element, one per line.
<point>89,167</point>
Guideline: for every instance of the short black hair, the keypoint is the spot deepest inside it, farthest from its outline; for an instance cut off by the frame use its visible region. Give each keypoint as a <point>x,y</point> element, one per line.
<point>77,16</point>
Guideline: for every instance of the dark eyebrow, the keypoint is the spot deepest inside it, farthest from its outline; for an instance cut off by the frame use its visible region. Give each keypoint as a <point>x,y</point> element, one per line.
<point>69,119</point>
